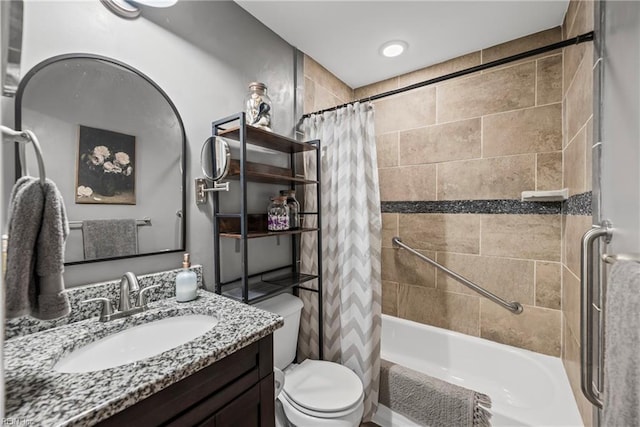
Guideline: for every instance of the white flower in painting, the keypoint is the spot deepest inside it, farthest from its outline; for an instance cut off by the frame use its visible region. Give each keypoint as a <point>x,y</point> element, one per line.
<point>84,191</point>
<point>101,150</point>
<point>122,159</point>
<point>111,167</point>
<point>96,159</point>
<point>128,171</point>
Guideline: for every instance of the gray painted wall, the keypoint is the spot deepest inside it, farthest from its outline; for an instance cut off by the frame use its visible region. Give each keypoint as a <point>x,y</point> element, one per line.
<point>202,54</point>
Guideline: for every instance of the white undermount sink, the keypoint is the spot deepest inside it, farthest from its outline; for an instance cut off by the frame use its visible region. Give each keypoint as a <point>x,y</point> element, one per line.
<point>136,343</point>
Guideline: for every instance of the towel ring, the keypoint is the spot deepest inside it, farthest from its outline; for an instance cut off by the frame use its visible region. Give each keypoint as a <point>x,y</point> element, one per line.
<point>25,137</point>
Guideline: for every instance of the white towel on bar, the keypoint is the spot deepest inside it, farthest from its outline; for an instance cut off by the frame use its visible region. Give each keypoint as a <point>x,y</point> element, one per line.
<point>622,346</point>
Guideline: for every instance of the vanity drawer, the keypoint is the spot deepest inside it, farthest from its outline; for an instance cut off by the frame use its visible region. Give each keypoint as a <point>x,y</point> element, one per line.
<point>200,397</point>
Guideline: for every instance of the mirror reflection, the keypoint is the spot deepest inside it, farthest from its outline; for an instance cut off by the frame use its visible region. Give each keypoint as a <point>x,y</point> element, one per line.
<point>113,143</point>
<point>215,158</point>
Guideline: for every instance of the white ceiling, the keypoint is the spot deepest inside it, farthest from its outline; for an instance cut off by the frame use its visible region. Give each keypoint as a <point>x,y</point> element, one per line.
<point>345,36</point>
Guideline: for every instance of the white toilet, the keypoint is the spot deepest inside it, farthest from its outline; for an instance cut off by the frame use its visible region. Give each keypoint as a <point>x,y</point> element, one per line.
<point>315,392</point>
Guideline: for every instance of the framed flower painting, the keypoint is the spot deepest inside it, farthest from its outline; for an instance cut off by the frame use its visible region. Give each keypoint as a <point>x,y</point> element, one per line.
<point>106,169</point>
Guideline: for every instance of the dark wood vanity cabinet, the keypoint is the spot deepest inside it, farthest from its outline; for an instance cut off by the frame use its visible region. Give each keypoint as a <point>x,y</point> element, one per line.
<point>235,391</point>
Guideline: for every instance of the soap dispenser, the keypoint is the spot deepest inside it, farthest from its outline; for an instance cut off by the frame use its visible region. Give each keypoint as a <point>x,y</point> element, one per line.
<point>186,282</point>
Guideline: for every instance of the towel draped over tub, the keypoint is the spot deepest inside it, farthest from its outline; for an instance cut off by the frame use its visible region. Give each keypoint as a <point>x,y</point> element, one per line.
<point>430,401</point>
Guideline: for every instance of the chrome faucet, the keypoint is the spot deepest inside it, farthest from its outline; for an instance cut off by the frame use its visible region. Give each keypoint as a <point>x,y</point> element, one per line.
<point>128,285</point>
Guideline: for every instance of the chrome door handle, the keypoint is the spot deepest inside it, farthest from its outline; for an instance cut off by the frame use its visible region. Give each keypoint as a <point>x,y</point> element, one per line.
<point>586,309</point>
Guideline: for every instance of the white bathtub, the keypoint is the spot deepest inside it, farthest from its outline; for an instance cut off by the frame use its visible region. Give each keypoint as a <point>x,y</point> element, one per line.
<point>526,388</point>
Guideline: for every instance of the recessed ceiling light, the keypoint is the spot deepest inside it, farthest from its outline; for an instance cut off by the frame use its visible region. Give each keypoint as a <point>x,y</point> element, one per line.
<point>393,48</point>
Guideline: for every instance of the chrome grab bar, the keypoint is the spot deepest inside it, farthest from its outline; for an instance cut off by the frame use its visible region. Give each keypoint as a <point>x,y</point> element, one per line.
<point>513,306</point>
<point>586,310</point>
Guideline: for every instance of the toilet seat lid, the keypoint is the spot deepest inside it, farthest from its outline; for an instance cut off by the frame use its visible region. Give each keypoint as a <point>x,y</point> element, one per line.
<point>323,386</point>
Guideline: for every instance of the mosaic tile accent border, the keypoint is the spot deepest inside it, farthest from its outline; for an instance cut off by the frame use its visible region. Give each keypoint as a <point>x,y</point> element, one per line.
<point>25,325</point>
<point>505,206</point>
<point>578,204</point>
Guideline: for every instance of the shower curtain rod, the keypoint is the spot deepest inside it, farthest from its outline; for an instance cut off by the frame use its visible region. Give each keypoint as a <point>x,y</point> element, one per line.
<point>586,37</point>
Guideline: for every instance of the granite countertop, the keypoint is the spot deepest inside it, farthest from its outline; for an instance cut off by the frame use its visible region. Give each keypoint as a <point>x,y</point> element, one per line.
<point>39,396</point>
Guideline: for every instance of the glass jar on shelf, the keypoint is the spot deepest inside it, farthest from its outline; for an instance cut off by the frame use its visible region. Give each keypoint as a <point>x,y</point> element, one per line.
<point>278,214</point>
<point>294,208</point>
<point>258,106</point>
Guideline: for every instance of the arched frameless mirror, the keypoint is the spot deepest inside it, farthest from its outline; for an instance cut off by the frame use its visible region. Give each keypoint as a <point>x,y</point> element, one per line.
<point>114,144</point>
<point>215,158</point>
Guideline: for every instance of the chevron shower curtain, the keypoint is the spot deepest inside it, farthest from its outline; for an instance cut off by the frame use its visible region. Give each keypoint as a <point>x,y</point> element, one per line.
<point>351,241</point>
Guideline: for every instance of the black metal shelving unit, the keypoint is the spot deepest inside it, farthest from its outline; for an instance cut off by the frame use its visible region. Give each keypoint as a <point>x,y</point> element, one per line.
<point>254,288</point>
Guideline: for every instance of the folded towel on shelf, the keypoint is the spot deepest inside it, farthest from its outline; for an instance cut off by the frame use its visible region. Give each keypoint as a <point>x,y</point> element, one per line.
<point>106,238</point>
<point>430,401</point>
<point>38,229</point>
<point>622,346</point>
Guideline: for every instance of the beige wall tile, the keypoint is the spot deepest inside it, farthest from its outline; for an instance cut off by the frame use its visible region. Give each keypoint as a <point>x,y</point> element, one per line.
<point>441,143</point>
<point>389,228</point>
<point>549,80</point>
<point>492,92</point>
<point>441,232</point>
<point>579,96</point>
<point>536,329</point>
<point>309,95</point>
<point>572,56</point>
<point>580,20</point>
<point>575,157</point>
<point>455,312</point>
<point>456,64</point>
<point>495,178</point>
<point>571,362</point>
<point>571,301</point>
<point>570,16</point>
<point>402,267</point>
<point>575,226</point>
<point>324,99</point>
<point>521,236</point>
<point>326,79</point>
<point>387,149</point>
<point>408,183</point>
<point>389,298</point>
<point>510,278</point>
<point>571,355</point>
<point>549,171</point>
<point>522,44</point>
<point>410,110</point>
<point>588,183</point>
<point>548,284</point>
<point>583,21</point>
<point>376,88</point>
<point>532,130</point>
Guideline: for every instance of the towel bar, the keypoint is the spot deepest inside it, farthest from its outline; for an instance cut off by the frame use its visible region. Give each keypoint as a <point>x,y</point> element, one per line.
<point>75,225</point>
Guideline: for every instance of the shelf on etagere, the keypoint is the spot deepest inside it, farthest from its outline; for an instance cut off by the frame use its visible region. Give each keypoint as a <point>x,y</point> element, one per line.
<point>257,234</point>
<point>257,172</point>
<point>266,139</point>
<point>267,287</point>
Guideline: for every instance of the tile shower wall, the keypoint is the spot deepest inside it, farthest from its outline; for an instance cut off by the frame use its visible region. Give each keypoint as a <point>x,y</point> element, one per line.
<point>321,88</point>
<point>577,141</point>
<point>487,136</point>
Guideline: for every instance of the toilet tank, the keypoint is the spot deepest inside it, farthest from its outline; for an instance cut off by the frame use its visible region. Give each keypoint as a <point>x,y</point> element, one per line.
<point>285,339</point>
